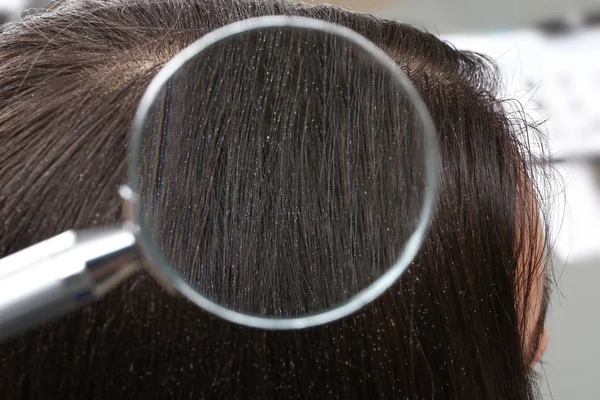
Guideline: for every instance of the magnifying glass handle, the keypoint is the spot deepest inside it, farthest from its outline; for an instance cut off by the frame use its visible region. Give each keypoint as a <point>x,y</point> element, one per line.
<point>61,274</point>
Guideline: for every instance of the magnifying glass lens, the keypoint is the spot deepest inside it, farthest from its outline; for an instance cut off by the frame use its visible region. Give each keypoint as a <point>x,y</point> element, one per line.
<point>283,171</point>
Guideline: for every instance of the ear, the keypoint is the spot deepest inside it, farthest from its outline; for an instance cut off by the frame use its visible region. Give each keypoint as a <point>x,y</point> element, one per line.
<point>542,346</point>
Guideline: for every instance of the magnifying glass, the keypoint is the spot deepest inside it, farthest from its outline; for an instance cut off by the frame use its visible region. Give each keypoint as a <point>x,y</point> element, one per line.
<point>283,173</point>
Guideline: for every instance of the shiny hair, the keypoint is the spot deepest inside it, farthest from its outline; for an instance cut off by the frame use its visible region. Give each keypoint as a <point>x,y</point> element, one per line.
<point>452,328</point>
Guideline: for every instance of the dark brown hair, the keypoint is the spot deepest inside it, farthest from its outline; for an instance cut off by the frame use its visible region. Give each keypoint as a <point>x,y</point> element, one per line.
<point>70,81</point>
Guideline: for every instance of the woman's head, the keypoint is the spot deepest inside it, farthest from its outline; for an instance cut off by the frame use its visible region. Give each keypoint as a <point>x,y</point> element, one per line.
<point>457,325</point>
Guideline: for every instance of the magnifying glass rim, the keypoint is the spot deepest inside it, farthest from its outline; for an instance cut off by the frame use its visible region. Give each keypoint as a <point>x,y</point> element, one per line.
<point>366,295</point>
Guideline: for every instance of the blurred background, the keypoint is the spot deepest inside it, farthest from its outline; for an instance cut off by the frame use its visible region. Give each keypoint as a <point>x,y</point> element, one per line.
<point>549,54</point>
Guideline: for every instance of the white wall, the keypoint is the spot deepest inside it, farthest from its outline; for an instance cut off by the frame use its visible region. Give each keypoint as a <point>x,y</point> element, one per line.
<point>458,15</point>
<point>572,362</point>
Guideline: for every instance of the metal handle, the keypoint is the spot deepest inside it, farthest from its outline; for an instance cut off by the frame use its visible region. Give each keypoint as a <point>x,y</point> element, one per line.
<point>61,274</point>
